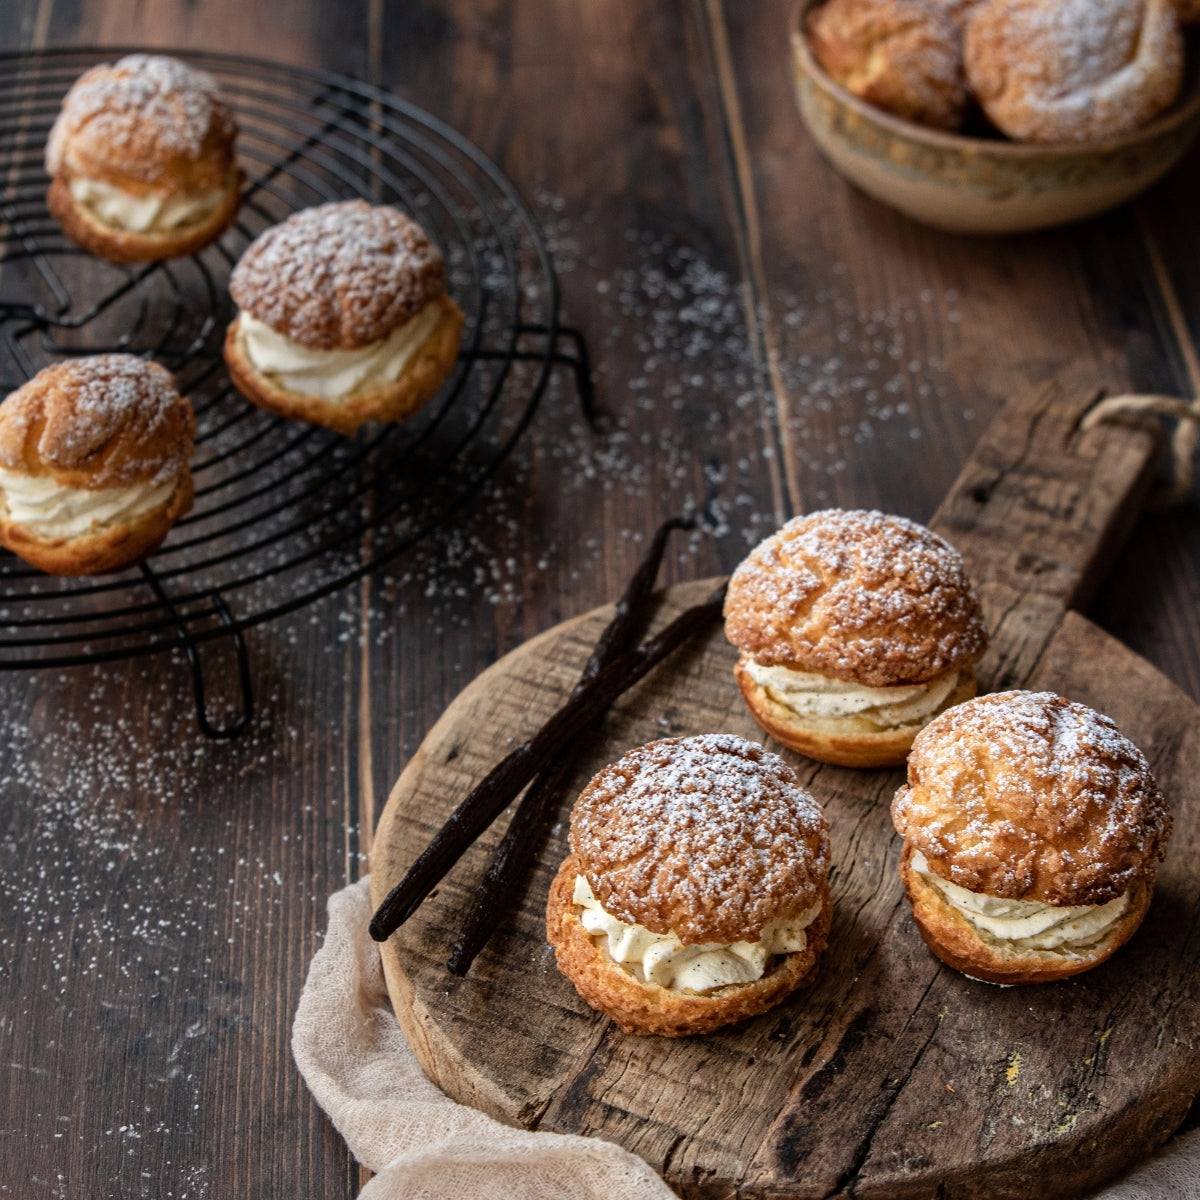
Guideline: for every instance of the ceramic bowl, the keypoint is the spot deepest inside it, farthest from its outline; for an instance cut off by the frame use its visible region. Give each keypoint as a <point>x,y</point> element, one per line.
<point>983,184</point>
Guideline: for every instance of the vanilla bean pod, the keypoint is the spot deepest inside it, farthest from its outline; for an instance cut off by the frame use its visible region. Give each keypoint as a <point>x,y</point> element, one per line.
<point>518,848</point>
<point>501,786</point>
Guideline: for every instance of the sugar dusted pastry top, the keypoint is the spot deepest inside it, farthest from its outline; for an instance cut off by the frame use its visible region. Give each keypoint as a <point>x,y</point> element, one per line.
<point>108,421</point>
<point>340,276</point>
<point>710,837</point>
<point>858,596</point>
<point>147,118</point>
<point>1073,70</point>
<point>904,56</point>
<point>1027,796</point>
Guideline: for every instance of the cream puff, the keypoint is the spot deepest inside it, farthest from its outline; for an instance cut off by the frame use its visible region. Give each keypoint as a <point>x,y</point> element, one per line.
<point>1032,832</point>
<point>1073,70</point>
<point>696,892</point>
<point>343,317</point>
<point>855,630</point>
<point>904,56</point>
<point>141,160</point>
<point>93,464</point>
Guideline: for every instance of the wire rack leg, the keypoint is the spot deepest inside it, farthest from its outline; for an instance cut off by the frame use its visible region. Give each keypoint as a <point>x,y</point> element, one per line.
<point>241,722</point>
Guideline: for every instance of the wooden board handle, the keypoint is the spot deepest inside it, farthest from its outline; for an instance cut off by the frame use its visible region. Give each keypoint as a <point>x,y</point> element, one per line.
<point>1039,512</point>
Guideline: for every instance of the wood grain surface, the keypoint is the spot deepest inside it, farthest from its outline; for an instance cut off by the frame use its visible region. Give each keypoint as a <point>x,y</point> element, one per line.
<point>762,335</point>
<point>892,1076</point>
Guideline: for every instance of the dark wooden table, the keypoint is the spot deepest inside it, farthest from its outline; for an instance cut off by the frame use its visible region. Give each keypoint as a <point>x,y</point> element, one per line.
<point>757,327</point>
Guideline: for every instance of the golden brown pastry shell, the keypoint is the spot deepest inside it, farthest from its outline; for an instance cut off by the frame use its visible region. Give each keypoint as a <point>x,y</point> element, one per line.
<point>951,938</point>
<point>848,742</point>
<point>903,56</point>
<point>646,1008</point>
<point>865,597</point>
<point>113,548</point>
<point>1030,796</point>
<point>125,246</point>
<point>398,401</point>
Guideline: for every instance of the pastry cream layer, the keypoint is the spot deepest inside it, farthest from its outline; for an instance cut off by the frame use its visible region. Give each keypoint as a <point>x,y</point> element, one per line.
<point>663,959</point>
<point>1027,924</point>
<point>149,213</point>
<point>811,695</point>
<point>335,374</point>
<point>47,510</point>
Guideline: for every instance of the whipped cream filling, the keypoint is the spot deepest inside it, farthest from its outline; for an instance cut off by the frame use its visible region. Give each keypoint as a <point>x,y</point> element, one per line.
<point>48,511</point>
<point>809,694</point>
<point>663,959</point>
<point>335,374</point>
<point>148,213</point>
<point>1027,924</point>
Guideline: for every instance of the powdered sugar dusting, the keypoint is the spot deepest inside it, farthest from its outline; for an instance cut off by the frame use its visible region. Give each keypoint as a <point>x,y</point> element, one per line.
<point>708,836</point>
<point>339,276</point>
<point>1074,70</point>
<point>859,596</point>
<point>112,407</point>
<point>146,106</point>
<point>1025,795</point>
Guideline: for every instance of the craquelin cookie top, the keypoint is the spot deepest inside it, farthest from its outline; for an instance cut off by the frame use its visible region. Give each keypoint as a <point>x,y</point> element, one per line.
<point>146,118</point>
<point>857,596</point>
<point>1027,796</point>
<point>112,420</point>
<point>710,837</point>
<point>904,56</point>
<point>1073,70</point>
<point>340,276</point>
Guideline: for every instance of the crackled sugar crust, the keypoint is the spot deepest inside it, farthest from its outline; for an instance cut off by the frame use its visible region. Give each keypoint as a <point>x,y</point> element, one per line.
<point>1027,796</point>
<point>1073,70</point>
<point>339,276</point>
<point>709,837</point>
<point>147,119</point>
<point>904,56</point>
<point>858,596</point>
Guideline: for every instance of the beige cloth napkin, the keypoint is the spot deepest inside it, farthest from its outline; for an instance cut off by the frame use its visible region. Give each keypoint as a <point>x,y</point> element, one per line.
<point>421,1144</point>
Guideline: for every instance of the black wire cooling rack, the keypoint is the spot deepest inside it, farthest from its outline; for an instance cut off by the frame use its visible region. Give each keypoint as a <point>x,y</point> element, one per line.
<point>285,513</point>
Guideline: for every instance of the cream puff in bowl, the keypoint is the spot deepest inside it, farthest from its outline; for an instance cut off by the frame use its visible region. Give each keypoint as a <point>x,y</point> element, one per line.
<point>343,317</point>
<point>93,464</point>
<point>855,630</point>
<point>141,160</point>
<point>696,893</point>
<point>1032,831</point>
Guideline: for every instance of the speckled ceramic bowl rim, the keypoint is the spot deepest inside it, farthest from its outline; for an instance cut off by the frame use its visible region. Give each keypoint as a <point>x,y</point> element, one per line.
<point>1181,112</point>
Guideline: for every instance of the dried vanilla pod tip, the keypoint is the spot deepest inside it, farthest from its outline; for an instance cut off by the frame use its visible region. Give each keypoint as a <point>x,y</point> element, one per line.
<point>343,317</point>
<point>1073,70</point>
<point>903,56</point>
<point>93,464</point>
<point>855,629</point>
<point>1032,830</point>
<point>142,160</point>
<point>696,893</point>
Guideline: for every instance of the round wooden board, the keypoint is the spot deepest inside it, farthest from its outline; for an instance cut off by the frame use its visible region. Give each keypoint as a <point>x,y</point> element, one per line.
<point>892,1075</point>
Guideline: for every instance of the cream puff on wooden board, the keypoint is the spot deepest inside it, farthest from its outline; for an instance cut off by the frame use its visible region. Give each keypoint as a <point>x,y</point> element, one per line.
<point>141,160</point>
<point>93,464</point>
<point>855,630</point>
<point>696,893</point>
<point>1032,830</point>
<point>343,317</point>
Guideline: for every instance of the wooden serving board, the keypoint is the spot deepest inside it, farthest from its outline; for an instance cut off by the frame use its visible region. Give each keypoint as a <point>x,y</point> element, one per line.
<point>892,1075</point>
